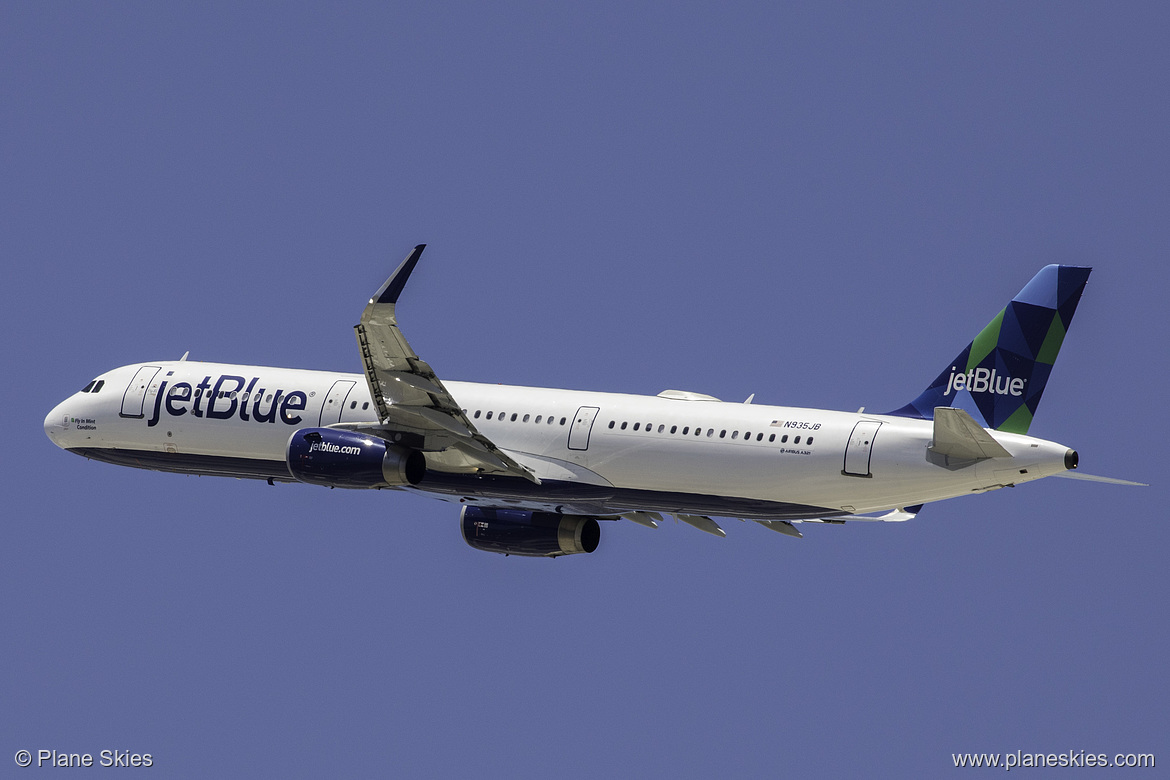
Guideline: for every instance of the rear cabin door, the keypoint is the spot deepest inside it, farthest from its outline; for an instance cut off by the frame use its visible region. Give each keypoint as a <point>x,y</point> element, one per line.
<point>135,394</point>
<point>582,425</point>
<point>860,446</point>
<point>335,402</point>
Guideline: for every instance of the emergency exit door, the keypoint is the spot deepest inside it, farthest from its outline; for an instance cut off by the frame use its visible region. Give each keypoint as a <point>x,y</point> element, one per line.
<point>582,425</point>
<point>334,402</point>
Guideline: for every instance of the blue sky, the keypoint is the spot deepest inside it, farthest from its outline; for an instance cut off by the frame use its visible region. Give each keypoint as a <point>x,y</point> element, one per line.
<point>819,203</point>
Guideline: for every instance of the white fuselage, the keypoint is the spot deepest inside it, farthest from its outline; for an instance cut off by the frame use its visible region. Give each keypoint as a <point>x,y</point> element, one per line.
<point>631,452</point>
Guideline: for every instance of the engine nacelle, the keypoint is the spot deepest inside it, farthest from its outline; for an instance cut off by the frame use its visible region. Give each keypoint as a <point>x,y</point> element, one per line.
<point>338,458</point>
<point>537,534</point>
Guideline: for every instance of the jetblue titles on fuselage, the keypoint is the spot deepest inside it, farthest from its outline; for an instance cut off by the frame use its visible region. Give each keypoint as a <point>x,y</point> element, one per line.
<point>224,400</point>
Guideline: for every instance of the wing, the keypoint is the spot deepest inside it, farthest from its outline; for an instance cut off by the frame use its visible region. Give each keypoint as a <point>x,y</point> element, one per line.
<point>414,409</point>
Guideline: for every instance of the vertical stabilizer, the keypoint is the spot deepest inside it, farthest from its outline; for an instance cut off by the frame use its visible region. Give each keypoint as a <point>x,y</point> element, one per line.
<point>999,378</point>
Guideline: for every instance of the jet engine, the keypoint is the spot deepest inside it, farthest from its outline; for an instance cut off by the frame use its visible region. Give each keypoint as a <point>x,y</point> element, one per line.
<point>536,534</point>
<point>338,458</point>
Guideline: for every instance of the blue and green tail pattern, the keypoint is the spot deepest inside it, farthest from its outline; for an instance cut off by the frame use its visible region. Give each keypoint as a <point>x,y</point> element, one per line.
<point>999,378</point>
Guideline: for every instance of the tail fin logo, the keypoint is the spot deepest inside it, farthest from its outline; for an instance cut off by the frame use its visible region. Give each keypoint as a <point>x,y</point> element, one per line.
<point>1006,366</point>
<point>984,380</point>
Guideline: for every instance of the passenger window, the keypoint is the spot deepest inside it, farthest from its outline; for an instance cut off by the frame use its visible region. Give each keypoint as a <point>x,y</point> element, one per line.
<point>611,422</point>
<point>624,426</point>
<point>759,437</point>
<point>710,432</point>
<point>551,419</point>
<point>352,404</point>
<point>537,420</point>
<point>562,421</point>
<point>513,418</point>
<point>747,436</point>
<point>771,438</point>
<point>723,434</point>
<point>636,426</point>
<point>661,428</point>
<point>365,404</point>
<point>809,440</point>
<point>525,418</point>
<point>734,435</point>
<point>477,414</point>
<point>489,415</point>
<point>686,430</point>
<point>796,440</point>
<point>674,428</point>
<point>784,439</point>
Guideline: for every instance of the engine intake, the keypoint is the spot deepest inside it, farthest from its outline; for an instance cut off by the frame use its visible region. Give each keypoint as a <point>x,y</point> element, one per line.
<point>338,458</point>
<point>536,534</point>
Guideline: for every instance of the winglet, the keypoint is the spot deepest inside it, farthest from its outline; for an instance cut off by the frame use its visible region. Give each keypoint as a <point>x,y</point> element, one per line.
<point>389,292</point>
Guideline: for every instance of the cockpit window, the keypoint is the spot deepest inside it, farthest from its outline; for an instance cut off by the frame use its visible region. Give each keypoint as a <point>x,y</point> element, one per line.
<point>98,387</point>
<point>89,387</point>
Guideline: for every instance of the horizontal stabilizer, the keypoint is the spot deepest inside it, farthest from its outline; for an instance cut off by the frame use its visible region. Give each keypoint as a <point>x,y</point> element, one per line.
<point>957,435</point>
<point>1094,478</point>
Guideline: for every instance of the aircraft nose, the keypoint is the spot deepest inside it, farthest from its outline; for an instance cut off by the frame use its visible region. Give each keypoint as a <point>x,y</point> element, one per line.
<point>56,423</point>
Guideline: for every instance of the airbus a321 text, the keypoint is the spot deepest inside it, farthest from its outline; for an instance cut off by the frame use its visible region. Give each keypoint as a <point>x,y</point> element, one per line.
<point>536,469</point>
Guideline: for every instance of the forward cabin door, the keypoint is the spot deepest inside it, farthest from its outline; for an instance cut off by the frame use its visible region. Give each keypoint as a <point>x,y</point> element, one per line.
<point>135,394</point>
<point>582,425</point>
<point>859,448</point>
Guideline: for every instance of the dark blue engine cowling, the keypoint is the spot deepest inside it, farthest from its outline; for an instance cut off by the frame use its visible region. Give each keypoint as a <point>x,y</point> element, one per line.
<point>345,459</point>
<point>520,532</point>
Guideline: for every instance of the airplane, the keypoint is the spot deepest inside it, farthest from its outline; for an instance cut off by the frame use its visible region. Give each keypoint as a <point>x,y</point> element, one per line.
<point>537,470</point>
